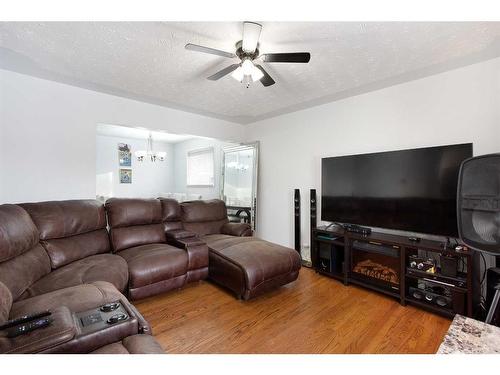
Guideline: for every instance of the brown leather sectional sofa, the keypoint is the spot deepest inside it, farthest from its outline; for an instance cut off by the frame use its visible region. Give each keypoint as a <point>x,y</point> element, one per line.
<point>72,256</point>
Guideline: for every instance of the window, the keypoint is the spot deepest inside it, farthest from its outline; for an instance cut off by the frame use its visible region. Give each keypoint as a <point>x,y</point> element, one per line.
<point>200,167</point>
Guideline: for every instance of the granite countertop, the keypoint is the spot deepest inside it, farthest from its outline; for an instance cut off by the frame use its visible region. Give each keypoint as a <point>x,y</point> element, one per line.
<point>470,336</point>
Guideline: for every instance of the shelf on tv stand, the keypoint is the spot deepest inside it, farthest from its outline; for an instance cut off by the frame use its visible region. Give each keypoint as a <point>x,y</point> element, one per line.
<point>435,309</point>
<point>379,289</point>
<point>460,278</point>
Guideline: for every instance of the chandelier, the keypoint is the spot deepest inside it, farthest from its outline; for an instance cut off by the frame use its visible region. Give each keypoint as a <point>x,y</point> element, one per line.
<point>237,166</point>
<point>142,155</point>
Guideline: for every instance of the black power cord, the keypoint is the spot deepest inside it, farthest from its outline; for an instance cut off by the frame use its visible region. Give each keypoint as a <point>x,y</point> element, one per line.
<point>482,302</point>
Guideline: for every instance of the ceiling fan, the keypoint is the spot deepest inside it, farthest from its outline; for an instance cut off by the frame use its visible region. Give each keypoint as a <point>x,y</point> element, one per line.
<point>247,50</point>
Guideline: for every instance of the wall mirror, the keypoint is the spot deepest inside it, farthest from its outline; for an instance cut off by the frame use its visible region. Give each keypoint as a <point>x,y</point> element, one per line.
<point>239,181</point>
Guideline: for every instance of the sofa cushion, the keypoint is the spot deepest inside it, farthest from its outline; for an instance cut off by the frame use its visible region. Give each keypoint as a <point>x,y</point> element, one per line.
<point>200,211</point>
<point>152,263</point>
<point>134,222</point>
<point>136,344</point>
<point>18,233</point>
<point>59,219</point>
<point>101,267</point>
<point>5,302</point>
<point>63,251</point>
<point>76,298</point>
<point>252,260</point>
<point>124,237</point>
<point>204,217</point>
<point>19,273</point>
<point>70,230</point>
<point>124,212</point>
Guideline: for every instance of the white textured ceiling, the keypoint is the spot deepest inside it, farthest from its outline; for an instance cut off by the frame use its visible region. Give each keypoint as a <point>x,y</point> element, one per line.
<point>142,133</point>
<point>148,62</point>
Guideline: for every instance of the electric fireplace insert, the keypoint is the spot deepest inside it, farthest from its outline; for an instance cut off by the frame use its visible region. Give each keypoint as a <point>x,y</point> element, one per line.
<point>376,264</point>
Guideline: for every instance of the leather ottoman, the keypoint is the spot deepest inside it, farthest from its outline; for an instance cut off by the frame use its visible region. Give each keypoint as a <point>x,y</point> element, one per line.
<point>250,266</point>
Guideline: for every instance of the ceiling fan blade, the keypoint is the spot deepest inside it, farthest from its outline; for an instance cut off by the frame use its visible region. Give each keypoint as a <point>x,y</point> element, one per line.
<point>211,51</point>
<point>266,80</point>
<point>294,57</point>
<point>251,34</point>
<point>223,72</point>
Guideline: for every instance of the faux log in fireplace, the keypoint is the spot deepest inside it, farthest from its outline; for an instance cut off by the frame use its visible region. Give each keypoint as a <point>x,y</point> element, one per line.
<point>376,263</point>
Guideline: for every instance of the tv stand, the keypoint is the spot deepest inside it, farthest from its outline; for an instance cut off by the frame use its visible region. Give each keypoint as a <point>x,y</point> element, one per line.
<point>381,262</point>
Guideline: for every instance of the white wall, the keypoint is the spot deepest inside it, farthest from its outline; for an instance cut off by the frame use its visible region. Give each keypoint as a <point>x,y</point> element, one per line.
<point>180,170</point>
<point>453,107</point>
<point>47,135</point>
<point>148,179</point>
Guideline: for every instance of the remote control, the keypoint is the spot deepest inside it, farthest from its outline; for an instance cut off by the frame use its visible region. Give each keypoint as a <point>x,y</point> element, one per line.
<point>24,319</point>
<point>28,327</point>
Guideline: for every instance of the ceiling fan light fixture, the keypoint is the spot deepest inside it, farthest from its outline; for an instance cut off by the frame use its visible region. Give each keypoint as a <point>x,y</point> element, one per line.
<point>247,66</point>
<point>247,49</point>
<point>238,74</point>
<point>247,73</point>
<point>256,74</point>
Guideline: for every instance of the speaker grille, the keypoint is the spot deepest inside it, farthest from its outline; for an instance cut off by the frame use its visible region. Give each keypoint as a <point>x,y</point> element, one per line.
<point>478,203</point>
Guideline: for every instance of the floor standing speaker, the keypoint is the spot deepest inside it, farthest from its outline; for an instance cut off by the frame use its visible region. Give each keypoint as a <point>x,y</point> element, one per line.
<point>313,221</point>
<point>312,201</point>
<point>296,213</point>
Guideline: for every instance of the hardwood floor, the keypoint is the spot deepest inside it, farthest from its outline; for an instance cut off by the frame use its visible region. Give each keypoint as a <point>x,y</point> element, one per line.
<point>315,314</point>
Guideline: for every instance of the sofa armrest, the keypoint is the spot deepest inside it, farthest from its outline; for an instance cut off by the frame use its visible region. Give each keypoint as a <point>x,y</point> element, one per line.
<point>196,249</point>
<point>237,229</point>
<point>60,331</point>
<point>179,234</point>
<point>144,326</point>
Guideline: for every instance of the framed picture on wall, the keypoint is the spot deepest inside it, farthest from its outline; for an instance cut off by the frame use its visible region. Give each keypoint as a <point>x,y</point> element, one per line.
<point>125,176</point>
<point>124,155</point>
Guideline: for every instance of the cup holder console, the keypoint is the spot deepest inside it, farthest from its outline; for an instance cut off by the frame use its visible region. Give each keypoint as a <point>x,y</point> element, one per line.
<point>117,318</point>
<point>110,307</point>
<point>103,317</point>
<point>80,332</point>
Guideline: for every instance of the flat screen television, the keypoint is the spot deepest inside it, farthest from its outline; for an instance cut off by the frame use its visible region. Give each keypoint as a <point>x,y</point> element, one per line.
<point>410,190</point>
